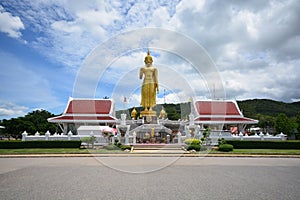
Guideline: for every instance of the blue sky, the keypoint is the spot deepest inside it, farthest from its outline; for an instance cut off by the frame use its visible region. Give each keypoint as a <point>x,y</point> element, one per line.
<point>254,45</point>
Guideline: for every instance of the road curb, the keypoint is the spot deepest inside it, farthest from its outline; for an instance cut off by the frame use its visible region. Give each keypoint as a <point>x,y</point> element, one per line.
<point>146,155</point>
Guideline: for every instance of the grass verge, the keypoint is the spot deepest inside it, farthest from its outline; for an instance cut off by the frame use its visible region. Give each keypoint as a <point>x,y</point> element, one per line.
<point>261,151</point>
<point>57,151</point>
<point>105,151</point>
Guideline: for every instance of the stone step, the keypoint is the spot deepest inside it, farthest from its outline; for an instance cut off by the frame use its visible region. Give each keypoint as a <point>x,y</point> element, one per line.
<point>158,151</point>
<point>157,147</point>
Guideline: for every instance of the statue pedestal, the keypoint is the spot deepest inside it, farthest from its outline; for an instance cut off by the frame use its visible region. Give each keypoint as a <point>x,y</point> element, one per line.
<point>149,116</point>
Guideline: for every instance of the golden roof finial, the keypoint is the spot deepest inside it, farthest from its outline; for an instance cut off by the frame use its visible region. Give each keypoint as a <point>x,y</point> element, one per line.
<point>133,113</point>
<point>163,113</point>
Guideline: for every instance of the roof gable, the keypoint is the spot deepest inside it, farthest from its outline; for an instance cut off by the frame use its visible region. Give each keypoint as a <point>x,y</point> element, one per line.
<point>217,108</point>
<point>86,110</point>
<point>89,106</point>
<point>224,112</point>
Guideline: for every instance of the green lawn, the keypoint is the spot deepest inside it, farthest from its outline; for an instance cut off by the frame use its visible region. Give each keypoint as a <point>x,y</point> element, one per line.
<point>105,151</point>
<point>56,151</point>
<point>263,151</point>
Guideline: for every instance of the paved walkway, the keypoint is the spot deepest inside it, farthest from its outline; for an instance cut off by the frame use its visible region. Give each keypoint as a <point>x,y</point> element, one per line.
<point>143,178</point>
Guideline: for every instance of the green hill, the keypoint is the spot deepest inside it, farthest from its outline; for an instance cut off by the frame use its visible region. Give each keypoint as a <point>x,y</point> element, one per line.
<point>174,111</point>
<point>251,108</point>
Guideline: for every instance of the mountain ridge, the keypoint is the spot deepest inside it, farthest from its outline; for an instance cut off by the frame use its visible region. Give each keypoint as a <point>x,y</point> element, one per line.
<point>250,108</point>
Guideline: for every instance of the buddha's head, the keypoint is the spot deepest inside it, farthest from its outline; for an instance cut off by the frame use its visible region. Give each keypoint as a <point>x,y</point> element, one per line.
<point>148,59</point>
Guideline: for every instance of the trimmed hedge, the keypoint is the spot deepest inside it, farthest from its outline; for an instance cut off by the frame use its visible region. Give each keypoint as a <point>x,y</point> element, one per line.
<point>18,144</point>
<point>117,146</point>
<point>194,147</point>
<point>192,141</point>
<point>124,147</point>
<point>225,147</point>
<point>242,144</point>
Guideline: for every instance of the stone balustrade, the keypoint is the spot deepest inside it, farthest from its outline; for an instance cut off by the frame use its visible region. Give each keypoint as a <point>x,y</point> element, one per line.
<point>130,139</point>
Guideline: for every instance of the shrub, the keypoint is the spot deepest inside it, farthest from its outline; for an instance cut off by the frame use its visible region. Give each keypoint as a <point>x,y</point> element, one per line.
<point>192,141</point>
<point>206,133</point>
<point>124,147</point>
<point>88,139</point>
<point>242,144</point>
<point>194,147</point>
<point>18,144</point>
<point>117,147</point>
<point>221,141</point>
<point>225,147</point>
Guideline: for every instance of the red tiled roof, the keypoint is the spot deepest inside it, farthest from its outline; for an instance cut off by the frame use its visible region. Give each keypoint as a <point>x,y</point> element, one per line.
<point>89,106</point>
<point>86,110</point>
<point>220,112</point>
<point>217,108</point>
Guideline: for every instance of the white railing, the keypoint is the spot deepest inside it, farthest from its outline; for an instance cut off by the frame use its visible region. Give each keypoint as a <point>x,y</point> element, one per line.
<point>99,139</point>
<point>131,139</point>
<point>215,135</point>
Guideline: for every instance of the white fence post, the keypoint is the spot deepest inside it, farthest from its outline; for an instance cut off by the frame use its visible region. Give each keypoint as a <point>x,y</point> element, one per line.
<point>134,138</point>
<point>47,135</point>
<point>179,138</point>
<point>261,136</point>
<point>281,136</point>
<point>70,135</point>
<point>241,136</point>
<point>113,139</point>
<point>168,139</point>
<point>24,135</point>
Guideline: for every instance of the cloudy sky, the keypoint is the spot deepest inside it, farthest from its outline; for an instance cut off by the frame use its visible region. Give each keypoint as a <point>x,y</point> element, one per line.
<point>52,50</point>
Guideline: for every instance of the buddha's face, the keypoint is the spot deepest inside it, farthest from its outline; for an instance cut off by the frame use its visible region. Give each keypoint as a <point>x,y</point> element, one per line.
<point>148,60</point>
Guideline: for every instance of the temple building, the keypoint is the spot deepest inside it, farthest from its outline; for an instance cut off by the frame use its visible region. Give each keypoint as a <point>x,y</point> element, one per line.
<point>221,115</point>
<point>86,112</point>
<point>151,125</point>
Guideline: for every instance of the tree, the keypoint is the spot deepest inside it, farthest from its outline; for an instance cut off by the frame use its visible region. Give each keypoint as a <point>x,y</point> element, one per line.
<point>172,113</point>
<point>298,125</point>
<point>32,122</point>
<point>39,121</point>
<point>266,122</point>
<point>283,124</point>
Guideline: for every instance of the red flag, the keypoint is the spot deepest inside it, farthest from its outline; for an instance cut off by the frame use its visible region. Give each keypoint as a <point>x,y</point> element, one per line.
<point>125,100</point>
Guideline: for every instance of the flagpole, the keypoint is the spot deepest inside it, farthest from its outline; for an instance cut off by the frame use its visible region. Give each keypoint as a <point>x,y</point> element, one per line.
<point>124,102</point>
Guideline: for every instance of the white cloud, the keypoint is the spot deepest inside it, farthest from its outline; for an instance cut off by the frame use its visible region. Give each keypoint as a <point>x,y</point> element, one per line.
<point>191,5</point>
<point>255,45</point>
<point>9,24</point>
<point>12,110</point>
<point>250,43</point>
<point>160,15</point>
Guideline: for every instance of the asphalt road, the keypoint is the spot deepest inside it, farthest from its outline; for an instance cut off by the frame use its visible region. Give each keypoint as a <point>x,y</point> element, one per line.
<point>149,178</point>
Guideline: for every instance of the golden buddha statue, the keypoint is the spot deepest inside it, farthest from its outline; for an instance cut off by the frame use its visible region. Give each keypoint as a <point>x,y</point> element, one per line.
<point>150,85</point>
